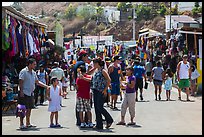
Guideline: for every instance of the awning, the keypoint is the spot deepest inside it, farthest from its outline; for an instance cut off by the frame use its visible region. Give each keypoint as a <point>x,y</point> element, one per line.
<point>149,32</point>
<point>130,46</point>
<point>51,42</point>
<point>190,32</point>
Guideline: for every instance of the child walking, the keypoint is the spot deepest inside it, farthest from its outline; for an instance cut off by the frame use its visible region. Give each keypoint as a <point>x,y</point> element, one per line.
<point>168,84</point>
<point>129,98</point>
<point>53,95</point>
<point>83,97</point>
<point>64,87</point>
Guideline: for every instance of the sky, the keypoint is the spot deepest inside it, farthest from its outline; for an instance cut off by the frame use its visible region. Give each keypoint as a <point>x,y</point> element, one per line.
<point>7,3</point>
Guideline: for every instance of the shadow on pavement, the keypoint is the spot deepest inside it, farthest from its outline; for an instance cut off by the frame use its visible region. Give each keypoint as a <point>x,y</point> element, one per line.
<point>29,129</point>
<point>188,101</point>
<point>143,101</point>
<point>135,126</point>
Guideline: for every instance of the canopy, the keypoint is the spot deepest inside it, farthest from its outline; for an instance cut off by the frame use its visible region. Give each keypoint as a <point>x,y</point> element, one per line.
<point>149,33</point>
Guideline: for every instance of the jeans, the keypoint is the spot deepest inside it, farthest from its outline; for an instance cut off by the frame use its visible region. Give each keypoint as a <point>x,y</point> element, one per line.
<point>99,100</point>
<point>41,91</point>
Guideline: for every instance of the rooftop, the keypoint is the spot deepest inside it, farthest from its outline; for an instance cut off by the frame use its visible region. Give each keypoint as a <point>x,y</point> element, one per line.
<point>183,18</point>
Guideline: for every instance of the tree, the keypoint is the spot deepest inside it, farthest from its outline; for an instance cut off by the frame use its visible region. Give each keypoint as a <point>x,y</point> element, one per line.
<point>174,11</point>
<point>124,6</point>
<point>70,12</point>
<point>196,9</point>
<point>162,10</point>
<point>98,4</point>
<point>196,5</point>
<point>154,9</point>
<point>143,12</point>
<point>87,12</point>
<point>17,6</point>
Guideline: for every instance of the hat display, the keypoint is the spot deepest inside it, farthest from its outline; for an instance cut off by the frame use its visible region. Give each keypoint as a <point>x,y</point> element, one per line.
<point>117,57</point>
<point>107,59</point>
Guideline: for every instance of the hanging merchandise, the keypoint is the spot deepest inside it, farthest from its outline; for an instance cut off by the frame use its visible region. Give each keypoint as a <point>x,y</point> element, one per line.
<point>14,45</point>
<point>19,38</point>
<point>5,32</point>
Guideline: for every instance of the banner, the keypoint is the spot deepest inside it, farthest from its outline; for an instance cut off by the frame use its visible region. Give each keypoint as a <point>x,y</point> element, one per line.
<point>92,40</point>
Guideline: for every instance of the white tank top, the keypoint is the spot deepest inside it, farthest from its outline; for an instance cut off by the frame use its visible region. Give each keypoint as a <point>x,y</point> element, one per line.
<point>183,73</point>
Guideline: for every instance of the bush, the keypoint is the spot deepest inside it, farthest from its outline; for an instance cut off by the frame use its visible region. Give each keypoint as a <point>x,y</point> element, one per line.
<point>70,12</point>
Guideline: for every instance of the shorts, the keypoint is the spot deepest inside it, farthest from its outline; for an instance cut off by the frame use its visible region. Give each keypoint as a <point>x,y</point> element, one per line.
<point>157,82</point>
<point>83,105</point>
<point>115,89</point>
<point>139,84</point>
<point>28,101</point>
<point>184,83</point>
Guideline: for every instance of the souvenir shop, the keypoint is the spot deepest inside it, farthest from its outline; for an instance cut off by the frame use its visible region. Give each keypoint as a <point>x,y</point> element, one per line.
<point>21,38</point>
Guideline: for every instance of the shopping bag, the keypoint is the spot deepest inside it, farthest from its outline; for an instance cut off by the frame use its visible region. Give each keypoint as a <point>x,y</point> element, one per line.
<point>195,74</point>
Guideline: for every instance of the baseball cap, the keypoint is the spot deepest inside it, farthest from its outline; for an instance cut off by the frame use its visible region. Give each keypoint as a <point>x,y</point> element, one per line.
<point>117,57</point>
<point>185,56</point>
<point>82,52</point>
<point>107,59</point>
<point>56,63</point>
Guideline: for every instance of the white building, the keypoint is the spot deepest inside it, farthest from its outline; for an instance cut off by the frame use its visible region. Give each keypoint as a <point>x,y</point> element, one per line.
<point>178,21</point>
<point>112,14</point>
<point>183,6</point>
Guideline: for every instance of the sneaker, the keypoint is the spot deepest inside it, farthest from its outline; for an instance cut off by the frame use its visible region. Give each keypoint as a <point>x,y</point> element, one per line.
<point>83,125</point>
<point>23,127</point>
<point>90,125</point>
<point>52,125</point>
<point>57,125</point>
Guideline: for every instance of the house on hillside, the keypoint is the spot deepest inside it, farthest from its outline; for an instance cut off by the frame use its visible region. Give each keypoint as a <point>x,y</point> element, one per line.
<point>185,6</point>
<point>111,14</point>
<point>178,21</point>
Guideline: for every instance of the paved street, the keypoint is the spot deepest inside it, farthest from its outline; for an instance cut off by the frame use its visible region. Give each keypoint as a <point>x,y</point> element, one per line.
<point>152,118</point>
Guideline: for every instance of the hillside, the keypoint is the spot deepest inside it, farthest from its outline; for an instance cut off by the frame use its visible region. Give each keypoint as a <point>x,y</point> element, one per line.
<point>121,31</point>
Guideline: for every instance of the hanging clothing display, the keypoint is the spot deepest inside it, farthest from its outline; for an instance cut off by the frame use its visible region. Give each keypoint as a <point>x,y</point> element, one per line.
<point>20,37</point>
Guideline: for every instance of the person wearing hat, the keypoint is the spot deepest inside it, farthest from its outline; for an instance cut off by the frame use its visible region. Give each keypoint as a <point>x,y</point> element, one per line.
<point>82,60</point>
<point>183,75</point>
<point>114,71</point>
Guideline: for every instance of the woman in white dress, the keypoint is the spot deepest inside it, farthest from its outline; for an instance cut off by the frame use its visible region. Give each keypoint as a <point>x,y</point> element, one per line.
<point>53,95</point>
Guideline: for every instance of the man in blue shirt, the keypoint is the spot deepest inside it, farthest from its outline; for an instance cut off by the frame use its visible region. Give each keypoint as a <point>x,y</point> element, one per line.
<point>139,73</point>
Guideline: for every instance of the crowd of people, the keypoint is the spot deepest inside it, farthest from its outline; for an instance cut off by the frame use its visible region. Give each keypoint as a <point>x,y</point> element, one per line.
<point>97,81</point>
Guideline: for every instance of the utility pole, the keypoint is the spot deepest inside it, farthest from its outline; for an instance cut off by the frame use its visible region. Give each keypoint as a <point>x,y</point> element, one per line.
<point>134,17</point>
<point>170,18</point>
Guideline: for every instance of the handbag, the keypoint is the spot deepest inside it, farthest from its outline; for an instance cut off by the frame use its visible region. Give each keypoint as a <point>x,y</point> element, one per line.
<point>195,74</point>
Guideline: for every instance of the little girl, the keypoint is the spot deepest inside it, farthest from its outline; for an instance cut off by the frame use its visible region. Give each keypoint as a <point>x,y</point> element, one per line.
<point>168,84</point>
<point>53,95</point>
<point>129,98</point>
<point>64,87</point>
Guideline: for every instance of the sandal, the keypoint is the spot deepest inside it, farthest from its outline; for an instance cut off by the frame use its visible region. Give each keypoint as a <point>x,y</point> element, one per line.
<point>31,126</point>
<point>131,123</point>
<point>121,123</point>
<point>108,125</point>
<point>23,127</point>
